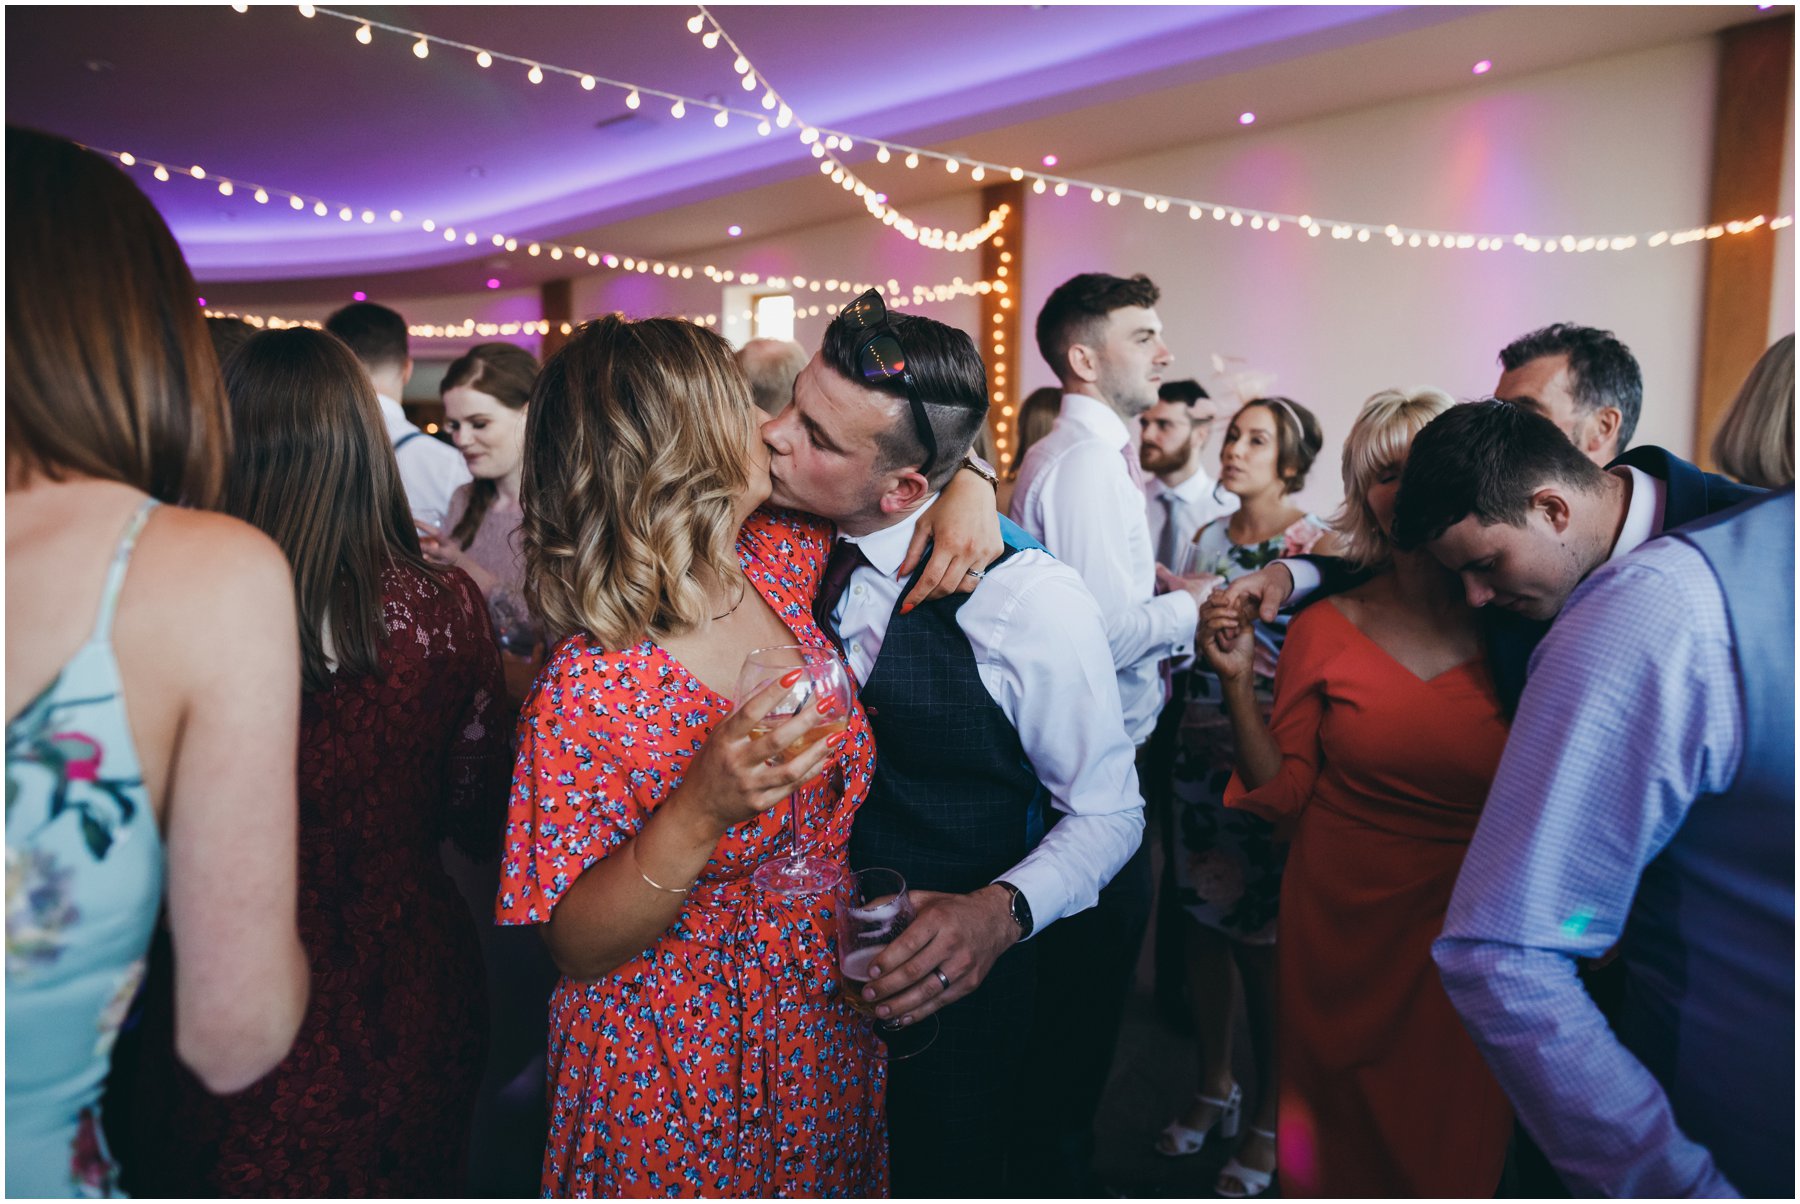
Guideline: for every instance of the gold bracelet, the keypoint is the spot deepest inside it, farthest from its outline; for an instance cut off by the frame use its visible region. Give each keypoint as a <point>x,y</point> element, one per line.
<point>668,890</point>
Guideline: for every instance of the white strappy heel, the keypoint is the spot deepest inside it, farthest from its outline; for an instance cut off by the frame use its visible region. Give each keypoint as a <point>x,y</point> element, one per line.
<point>1256,1183</point>
<point>1178,1140</point>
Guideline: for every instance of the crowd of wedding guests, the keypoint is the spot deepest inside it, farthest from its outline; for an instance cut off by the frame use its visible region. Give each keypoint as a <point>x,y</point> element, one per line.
<point>382,812</point>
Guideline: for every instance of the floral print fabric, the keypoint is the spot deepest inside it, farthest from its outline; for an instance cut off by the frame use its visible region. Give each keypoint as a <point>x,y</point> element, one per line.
<point>84,868</point>
<point>1228,866</point>
<point>720,1061</point>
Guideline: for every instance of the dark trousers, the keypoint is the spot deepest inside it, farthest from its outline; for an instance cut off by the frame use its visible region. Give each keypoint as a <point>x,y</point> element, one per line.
<point>951,1106</point>
<point>1086,963</point>
<point>1156,771</point>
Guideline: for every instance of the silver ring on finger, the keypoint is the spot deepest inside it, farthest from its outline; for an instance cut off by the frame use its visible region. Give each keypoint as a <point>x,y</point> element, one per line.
<point>942,980</point>
<point>978,574</point>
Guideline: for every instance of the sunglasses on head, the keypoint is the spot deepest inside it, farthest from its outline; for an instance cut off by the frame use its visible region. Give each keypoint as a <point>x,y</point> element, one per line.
<point>880,357</point>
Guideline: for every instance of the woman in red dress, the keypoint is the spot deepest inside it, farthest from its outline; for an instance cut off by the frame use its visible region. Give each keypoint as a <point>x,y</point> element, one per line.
<point>699,1045</point>
<point>403,741</point>
<point>1385,737</point>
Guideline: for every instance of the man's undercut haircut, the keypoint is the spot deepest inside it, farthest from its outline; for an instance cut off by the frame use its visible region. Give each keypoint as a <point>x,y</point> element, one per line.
<point>1484,459</point>
<point>1076,312</point>
<point>1182,392</point>
<point>1602,370</point>
<point>948,376</point>
<point>376,333</point>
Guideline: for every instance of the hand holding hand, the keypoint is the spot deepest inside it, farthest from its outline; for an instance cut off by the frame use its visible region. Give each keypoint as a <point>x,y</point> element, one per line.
<point>1267,590</point>
<point>960,935</point>
<point>739,773</point>
<point>1228,635</point>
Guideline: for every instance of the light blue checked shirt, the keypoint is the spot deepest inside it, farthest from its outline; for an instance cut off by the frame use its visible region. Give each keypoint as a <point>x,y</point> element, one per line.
<point>1630,714</point>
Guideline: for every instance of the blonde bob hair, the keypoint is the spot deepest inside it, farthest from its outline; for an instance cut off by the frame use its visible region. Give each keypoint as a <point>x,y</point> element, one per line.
<point>635,463</point>
<point>1383,431</point>
<point>1755,443</point>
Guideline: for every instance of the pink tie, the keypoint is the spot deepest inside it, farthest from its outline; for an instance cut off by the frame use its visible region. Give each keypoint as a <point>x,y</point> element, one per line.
<point>1132,466</point>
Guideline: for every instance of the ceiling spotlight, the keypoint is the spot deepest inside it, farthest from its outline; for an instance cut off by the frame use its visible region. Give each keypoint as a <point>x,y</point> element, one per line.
<point>1050,160</point>
<point>734,231</point>
<point>493,283</point>
<point>1483,67</point>
<point>359,295</point>
<point>1246,118</point>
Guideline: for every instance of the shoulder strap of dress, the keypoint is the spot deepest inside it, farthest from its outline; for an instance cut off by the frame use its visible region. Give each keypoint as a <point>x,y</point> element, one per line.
<point>115,573</point>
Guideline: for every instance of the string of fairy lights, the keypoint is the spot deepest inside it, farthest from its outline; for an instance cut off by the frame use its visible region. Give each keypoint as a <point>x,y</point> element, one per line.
<point>470,328</point>
<point>830,146</point>
<point>264,194</point>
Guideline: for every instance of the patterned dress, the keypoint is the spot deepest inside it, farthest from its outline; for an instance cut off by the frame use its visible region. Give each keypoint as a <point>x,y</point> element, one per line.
<point>1229,867</point>
<point>84,876</point>
<point>721,1060</point>
<point>376,1095</point>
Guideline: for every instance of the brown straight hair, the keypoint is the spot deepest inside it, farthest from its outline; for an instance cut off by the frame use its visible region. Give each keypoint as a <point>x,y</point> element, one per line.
<point>313,470</point>
<point>109,370</point>
<point>505,373</point>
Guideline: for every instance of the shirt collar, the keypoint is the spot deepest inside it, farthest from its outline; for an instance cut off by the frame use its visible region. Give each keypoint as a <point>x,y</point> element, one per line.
<point>1195,489</point>
<point>886,548</point>
<point>1643,514</point>
<point>1096,417</point>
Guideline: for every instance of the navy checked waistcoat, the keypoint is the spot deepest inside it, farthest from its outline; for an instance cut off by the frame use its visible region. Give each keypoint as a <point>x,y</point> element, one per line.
<point>1709,948</point>
<point>955,803</point>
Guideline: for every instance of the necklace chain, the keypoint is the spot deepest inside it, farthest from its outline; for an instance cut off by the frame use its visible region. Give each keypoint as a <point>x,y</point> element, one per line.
<point>743,592</point>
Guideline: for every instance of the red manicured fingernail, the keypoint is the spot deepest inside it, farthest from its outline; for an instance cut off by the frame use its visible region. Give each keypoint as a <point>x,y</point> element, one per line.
<point>907,609</point>
<point>792,676</point>
<point>837,741</point>
<point>828,705</point>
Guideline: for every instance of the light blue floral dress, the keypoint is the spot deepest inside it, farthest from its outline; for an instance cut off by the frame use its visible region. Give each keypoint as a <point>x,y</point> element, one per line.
<point>84,874</point>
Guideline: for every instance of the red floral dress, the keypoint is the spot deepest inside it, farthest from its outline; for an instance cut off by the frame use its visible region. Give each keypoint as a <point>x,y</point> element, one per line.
<point>720,1061</point>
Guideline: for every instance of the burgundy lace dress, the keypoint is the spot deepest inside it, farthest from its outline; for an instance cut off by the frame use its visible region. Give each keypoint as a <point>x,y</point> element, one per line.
<point>375,1097</point>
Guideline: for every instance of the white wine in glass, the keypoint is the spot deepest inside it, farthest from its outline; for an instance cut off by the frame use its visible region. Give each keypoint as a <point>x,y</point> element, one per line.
<point>823,680</point>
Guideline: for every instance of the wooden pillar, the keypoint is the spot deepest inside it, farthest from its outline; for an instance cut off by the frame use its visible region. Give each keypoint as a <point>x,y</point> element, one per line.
<point>557,300</point>
<point>1002,325</point>
<point>1749,129</point>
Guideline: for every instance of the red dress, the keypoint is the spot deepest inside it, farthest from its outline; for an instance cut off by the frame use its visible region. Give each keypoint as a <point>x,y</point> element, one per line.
<point>720,1061</point>
<point>375,1097</point>
<point>1382,778</point>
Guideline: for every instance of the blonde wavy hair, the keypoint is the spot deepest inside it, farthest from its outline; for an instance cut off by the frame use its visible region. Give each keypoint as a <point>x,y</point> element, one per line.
<point>635,462</point>
<point>1383,431</point>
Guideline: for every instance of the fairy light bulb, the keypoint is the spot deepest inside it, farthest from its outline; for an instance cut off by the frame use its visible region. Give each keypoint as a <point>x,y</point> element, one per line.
<point>197,172</point>
<point>721,118</point>
<point>678,109</point>
<point>763,127</point>
<point>262,196</point>
<point>307,11</point>
<point>536,74</point>
<point>225,188</point>
<point>428,225</point>
<point>422,49</point>
<point>740,64</point>
<point>321,208</point>
<point>784,117</point>
<point>750,83</point>
<point>768,100</point>
<point>587,83</point>
<point>979,173</point>
<point>1062,188</point>
<point>364,34</point>
<point>696,23</point>
<point>482,58</point>
<point>711,39</point>
<point>295,202</point>
<point>912,160</point>
<point>632,99</point>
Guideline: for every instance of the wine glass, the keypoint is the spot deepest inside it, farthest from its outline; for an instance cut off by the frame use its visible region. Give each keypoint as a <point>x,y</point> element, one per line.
<point>875,909</point>
<point>822,678</point>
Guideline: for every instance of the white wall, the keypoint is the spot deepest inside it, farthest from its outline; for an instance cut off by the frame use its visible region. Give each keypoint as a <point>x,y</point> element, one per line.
<point>1616,146</point>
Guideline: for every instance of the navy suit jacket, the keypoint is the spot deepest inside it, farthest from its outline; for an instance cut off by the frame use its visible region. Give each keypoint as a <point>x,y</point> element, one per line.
<point>1690,495</point>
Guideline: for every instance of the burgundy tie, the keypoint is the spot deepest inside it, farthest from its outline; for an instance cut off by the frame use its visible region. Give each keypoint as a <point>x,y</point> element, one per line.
<point>844,560</point>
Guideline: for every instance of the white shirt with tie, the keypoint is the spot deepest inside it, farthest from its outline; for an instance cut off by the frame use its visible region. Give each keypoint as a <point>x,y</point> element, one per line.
<point>1040,648</point>
<point>1080,492</point>
<point>1177,512</point>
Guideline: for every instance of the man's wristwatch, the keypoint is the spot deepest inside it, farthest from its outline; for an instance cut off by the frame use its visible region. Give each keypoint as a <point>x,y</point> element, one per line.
<point>1018,907</point>
<point>981,468</point>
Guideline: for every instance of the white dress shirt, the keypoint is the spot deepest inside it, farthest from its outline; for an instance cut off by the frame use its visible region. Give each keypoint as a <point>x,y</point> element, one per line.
<point>1643,522</point>
<point>1040,648</point>
<point>430,470</point>
<point>1193,503</point>
<point>1077,496</point>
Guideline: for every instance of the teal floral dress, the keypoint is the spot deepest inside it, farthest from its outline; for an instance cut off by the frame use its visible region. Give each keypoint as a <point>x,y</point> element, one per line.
<point>84,876</point>
<point>1228,863</point>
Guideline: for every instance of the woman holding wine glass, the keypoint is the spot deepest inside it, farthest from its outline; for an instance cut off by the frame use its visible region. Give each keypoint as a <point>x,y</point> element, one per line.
<point>699,1044</point>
